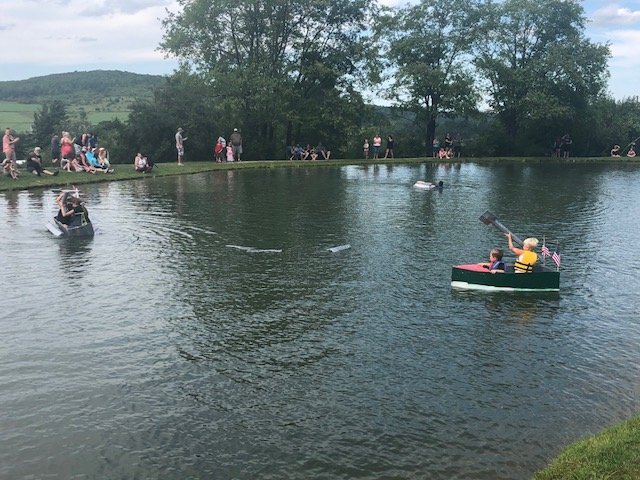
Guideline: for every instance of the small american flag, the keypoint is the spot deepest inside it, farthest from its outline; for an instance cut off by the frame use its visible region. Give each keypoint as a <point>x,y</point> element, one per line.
<point>556,259</point>
<point>545,251</point>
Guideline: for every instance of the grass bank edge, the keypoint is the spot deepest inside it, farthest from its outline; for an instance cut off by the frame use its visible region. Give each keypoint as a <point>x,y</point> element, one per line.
<point>126,171</point>
<point>613,454</point>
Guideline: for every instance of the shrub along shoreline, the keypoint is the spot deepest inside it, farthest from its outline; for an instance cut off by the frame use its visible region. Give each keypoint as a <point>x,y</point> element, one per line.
<point>126,171</point>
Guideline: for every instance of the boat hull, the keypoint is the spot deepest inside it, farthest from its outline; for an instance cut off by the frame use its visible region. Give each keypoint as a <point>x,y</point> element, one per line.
<point>476,277</point>
<point>61,230</point>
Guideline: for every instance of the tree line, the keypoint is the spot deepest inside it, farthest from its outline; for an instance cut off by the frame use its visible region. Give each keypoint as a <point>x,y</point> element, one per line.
<point>510,77</point>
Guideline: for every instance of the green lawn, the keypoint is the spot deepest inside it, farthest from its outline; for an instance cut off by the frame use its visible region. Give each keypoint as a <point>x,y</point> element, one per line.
<point>19,116</point>
<point>613,455</point>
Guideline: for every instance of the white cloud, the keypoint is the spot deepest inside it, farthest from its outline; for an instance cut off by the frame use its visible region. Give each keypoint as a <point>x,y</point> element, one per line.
<point>611,16</point>
<point>55,37</point>
<point>100,8</point>
<point>625,46</point>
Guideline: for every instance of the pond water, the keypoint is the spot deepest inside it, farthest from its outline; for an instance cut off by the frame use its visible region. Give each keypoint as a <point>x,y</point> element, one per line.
<point>207,331</point>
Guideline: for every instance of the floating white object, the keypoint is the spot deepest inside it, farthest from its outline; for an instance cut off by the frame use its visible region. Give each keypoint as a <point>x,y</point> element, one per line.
<point>339,248</point>
<point>54,229</point>
<point>255,250</point>
<point>424,185</point>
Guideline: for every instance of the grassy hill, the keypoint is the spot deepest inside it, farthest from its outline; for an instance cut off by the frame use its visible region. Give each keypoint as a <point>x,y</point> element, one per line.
<point>102,94</point>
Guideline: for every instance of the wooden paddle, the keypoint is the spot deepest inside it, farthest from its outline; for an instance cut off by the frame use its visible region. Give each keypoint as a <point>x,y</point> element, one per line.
<point>489,218</point>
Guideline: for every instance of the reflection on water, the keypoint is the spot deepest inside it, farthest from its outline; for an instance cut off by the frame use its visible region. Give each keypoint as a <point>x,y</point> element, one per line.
<point>209,332</point>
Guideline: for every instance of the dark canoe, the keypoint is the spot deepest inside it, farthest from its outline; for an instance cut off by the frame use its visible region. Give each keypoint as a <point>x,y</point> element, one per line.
<point>84,229</point>
<point>474,276</point>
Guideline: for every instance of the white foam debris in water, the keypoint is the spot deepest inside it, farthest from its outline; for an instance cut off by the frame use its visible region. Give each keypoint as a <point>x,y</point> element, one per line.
<point>339,248</point>
<point>178,232</point>
<point>255,250</point>
<point>197,229</point>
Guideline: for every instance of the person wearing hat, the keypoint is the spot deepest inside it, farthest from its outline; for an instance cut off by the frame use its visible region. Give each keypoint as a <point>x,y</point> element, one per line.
<point>236,143</point>
<point>34,163</point>
<point>180,145</point>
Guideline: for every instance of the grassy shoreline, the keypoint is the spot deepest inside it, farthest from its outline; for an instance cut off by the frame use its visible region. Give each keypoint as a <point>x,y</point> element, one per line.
<point>126,172</point>
<point>613,454</point>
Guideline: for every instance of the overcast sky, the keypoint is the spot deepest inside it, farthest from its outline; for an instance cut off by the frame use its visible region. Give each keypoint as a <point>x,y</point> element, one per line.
<point>58,36</point>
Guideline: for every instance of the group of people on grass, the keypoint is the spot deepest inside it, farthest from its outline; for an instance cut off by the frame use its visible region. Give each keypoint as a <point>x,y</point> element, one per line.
<point>80,154</point>
<point>562,146</point>
<point>298,152</point>
<point>376,147</point>
<point>616,151</point>
<point>450,147</point>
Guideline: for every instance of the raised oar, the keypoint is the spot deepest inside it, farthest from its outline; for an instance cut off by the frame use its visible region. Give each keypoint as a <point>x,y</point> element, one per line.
<point>489,218</point>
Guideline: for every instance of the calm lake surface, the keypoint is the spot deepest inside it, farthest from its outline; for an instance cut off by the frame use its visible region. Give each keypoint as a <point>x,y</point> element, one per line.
<point>207,331</point>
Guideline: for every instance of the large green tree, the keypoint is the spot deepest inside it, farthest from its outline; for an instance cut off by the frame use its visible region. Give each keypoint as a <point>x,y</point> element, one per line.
<point>426,50</point>
<point>51,119</point>
<point>540,69</point>
<point>280,68</point>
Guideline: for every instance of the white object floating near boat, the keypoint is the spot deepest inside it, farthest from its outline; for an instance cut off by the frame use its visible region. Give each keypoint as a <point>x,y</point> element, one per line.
<point>255,250</point>
<point>53,228</point>
<point>339,248</point>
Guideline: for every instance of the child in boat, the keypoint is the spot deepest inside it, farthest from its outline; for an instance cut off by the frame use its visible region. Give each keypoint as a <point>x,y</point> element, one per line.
<point>495,264</point>
<point>527,257</point>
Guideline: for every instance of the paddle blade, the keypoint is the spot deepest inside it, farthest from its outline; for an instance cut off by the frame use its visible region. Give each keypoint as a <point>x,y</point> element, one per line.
<point>488,218</point>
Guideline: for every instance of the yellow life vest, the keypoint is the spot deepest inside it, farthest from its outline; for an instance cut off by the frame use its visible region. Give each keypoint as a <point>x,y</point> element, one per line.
<point>525,262</point>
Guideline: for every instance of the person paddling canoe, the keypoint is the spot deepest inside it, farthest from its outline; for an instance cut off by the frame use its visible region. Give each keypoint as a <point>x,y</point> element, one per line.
<point>527,257</point>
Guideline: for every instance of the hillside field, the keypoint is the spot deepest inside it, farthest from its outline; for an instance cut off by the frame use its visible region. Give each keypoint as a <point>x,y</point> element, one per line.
<point>19,116</point>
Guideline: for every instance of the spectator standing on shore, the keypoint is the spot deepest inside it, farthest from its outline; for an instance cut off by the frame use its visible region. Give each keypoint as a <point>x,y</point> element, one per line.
<point>236,144</point>
<point>566,145</point>
<point>377,143</point>
<point>9,147</point>
<point>557,147</point>
<point>365,149</point>
<point>390,146</point>
<point>448,143</point>
<point>67,151</point>
<point>457,145</point>
<point>180,145</point>
<point>55,149</point>
<point>435,147</point>
<point>93,140</point>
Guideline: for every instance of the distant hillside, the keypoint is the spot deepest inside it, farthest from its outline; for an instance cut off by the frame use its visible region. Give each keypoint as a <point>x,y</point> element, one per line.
<point>80,87</point>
